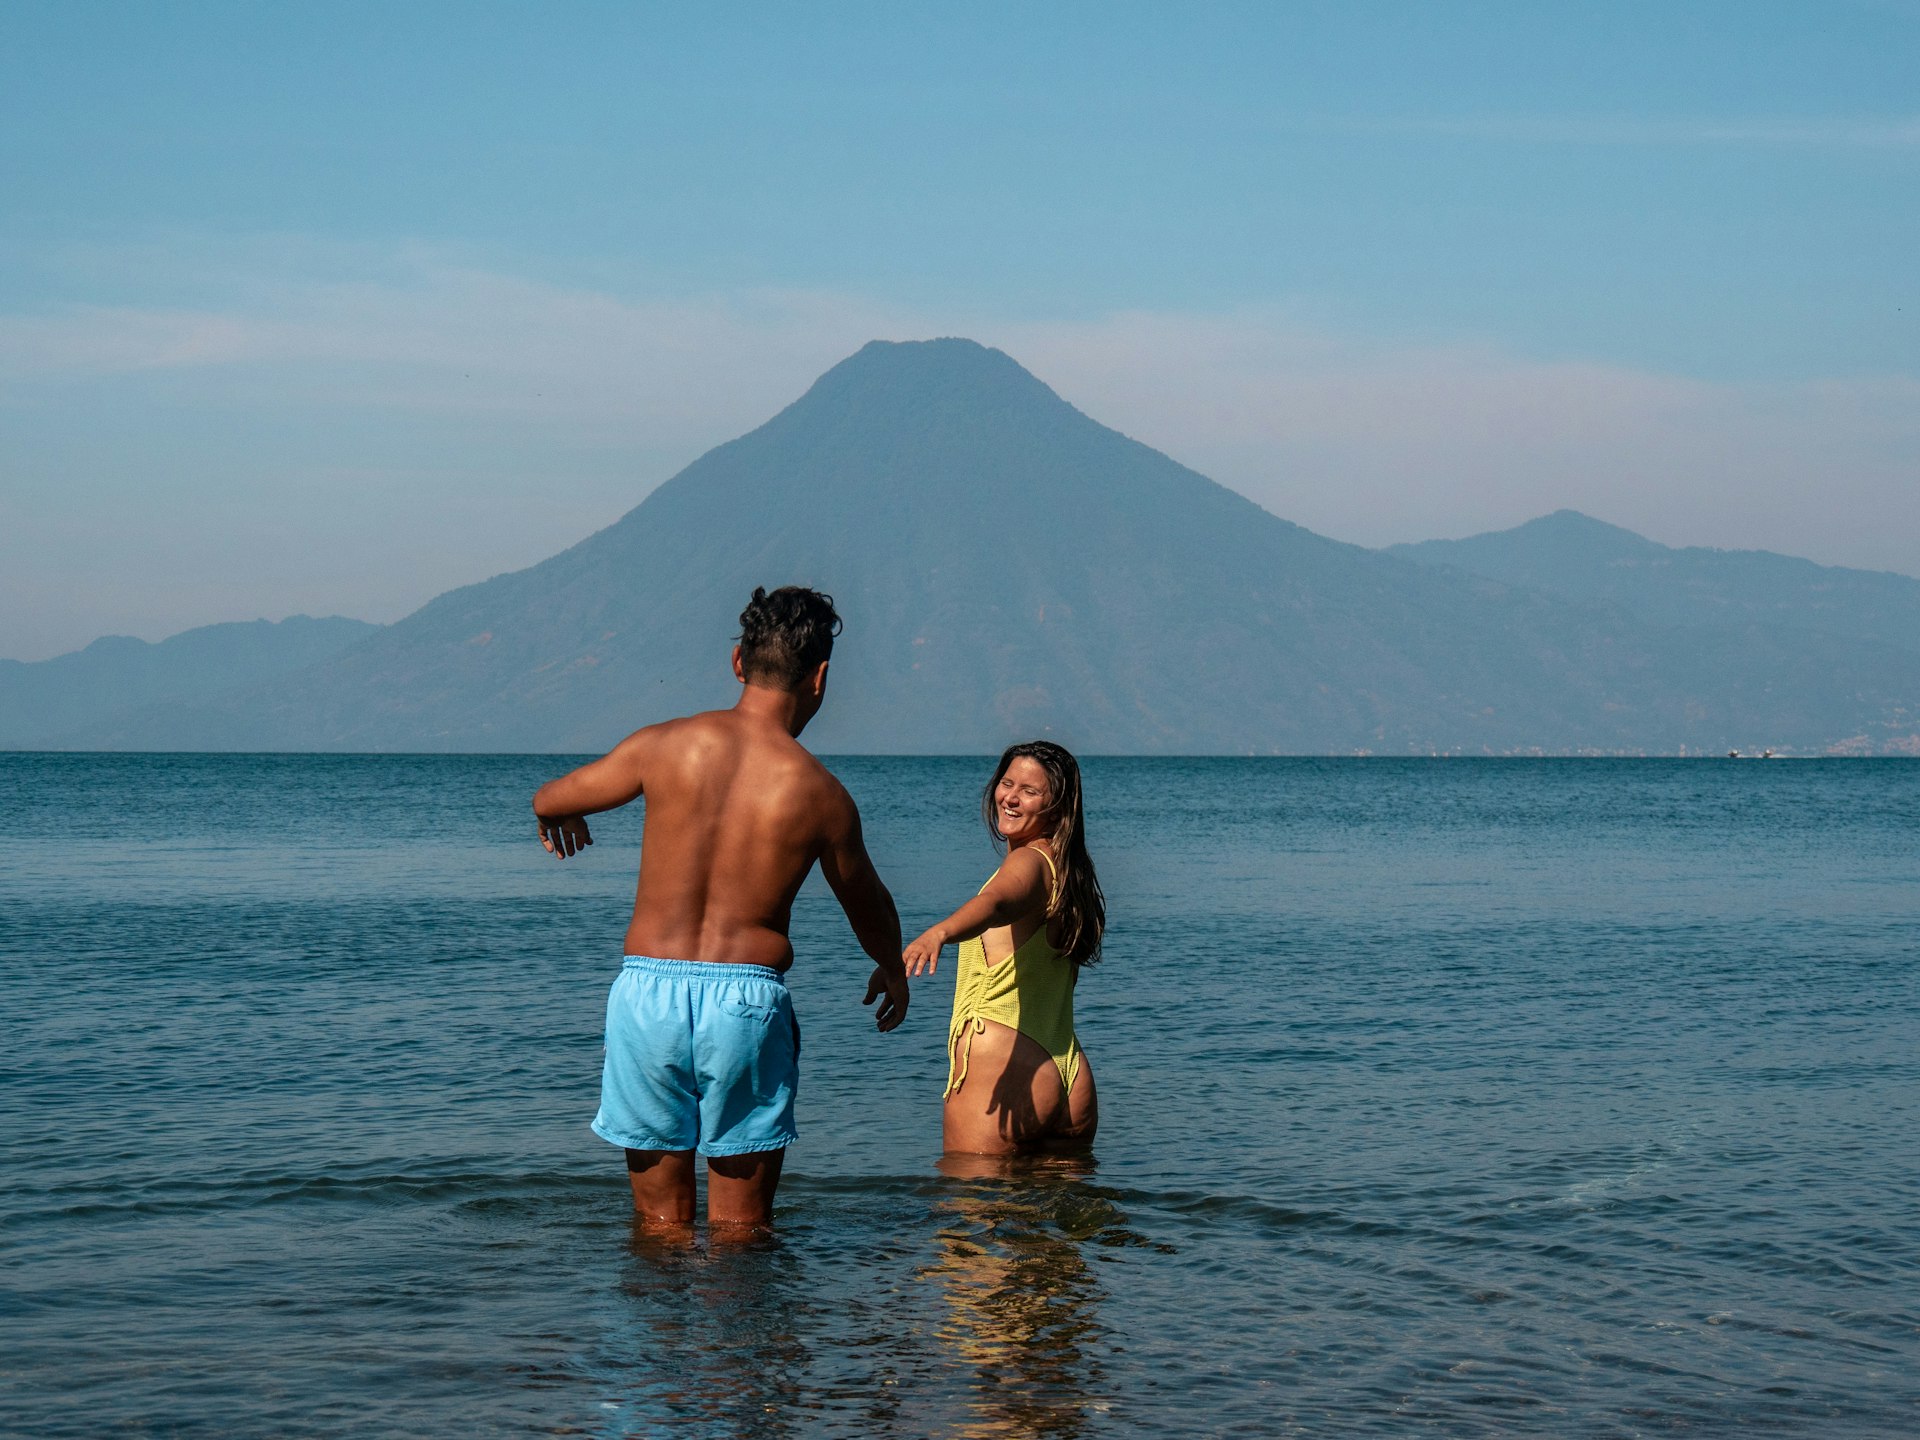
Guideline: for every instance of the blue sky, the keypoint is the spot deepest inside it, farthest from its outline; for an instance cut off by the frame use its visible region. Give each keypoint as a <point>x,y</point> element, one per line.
<point>329,308</point>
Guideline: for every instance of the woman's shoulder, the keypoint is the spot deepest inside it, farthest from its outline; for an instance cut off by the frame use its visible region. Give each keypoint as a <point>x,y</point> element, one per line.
<point>1040,850</point>
<point>1039,859</point>
<point>1031,859</point>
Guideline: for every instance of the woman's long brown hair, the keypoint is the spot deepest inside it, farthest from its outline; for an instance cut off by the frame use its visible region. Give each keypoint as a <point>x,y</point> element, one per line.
<point>1077,900</point>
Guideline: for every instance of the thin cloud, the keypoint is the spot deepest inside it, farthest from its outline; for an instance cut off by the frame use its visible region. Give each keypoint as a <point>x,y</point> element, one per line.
<point>1871,132</point>
<point>1378,442</point>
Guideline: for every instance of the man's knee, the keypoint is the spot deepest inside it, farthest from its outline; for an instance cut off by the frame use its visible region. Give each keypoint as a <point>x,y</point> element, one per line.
<point>758,1165</point>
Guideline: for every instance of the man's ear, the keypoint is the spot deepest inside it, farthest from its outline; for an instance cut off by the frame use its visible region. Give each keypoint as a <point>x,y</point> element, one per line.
<point>817,682</point>
<point>739,671</point>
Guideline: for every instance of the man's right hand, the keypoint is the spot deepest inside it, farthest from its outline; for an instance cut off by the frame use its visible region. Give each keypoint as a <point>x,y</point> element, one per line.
<point>891,984</point>
<point>564,835</point>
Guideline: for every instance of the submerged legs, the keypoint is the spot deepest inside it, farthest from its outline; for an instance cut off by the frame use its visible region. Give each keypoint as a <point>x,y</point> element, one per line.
<point>739,1187</point>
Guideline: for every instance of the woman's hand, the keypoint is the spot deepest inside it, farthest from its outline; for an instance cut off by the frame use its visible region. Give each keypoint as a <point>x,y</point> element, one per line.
<point>922,956</point>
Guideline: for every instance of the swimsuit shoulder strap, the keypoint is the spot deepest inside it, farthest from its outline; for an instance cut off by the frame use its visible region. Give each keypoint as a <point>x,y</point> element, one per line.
<point>1053,875</point>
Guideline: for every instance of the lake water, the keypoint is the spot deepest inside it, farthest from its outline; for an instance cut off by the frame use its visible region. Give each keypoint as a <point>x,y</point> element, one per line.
<point>1437,1098</point>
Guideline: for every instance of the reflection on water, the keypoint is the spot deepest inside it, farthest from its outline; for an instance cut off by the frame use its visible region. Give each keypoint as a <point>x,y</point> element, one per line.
<point>1021,1301</point>
<point>711,1341</point>
<point>842,1323</point>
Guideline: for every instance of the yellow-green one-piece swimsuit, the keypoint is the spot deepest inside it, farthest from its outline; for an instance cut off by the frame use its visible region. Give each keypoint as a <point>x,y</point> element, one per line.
<point>1030,991</point>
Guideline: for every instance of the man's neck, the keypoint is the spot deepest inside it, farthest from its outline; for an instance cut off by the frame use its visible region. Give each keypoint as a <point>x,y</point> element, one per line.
<point>778,707</point>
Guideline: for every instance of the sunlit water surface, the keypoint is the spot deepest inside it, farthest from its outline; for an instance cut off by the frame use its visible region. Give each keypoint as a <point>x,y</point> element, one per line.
<point>1438,1098</point>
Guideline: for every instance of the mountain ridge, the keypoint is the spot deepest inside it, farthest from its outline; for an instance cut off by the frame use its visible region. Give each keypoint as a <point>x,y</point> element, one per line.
<point>1010,566</point>
<point>1586,560</point>
<point>42,700</point>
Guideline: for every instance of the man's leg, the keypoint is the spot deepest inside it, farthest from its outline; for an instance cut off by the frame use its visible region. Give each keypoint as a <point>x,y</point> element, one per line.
<point>740,1189</point>
<point>662,1183</point>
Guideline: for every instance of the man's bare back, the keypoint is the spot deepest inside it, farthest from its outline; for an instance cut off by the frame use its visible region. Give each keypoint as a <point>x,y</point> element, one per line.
<point>737,813</point>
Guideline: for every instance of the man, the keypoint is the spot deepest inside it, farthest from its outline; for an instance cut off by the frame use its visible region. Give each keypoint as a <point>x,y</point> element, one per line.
<point>702,1046</point>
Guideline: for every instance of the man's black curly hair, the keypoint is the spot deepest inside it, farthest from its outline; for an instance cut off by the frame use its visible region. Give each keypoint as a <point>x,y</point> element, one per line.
<point>783,635</point>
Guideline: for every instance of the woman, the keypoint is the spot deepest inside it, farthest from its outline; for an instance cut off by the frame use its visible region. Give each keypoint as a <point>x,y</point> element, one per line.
<point>1016,1077</point>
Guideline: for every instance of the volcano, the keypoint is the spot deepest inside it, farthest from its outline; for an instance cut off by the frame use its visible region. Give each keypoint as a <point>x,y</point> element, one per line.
<point>1008,567</point>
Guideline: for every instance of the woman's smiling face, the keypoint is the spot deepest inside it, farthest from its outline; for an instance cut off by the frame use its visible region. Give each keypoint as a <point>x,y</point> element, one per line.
<point>1020,801</point>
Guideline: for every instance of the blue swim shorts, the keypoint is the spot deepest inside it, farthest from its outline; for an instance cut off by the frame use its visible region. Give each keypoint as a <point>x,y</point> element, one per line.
<point>699,1057</point>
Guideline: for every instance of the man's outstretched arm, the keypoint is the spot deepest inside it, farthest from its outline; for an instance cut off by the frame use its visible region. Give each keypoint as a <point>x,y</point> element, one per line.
<point>876,923</point>
<point>560,807</point>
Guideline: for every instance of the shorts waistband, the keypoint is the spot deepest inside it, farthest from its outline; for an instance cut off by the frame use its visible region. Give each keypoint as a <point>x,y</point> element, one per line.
<point>702,969</point>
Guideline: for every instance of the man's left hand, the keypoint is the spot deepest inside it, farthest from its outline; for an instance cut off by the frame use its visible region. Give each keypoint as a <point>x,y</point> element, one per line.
<point>890,988</point>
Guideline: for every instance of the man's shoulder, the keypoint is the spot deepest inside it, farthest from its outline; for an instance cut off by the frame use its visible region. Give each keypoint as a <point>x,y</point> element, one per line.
<point>830,785</point>
<point>807,770</point>
<point>807,777</point>
<point>722,737</point>
<point>708,727</point>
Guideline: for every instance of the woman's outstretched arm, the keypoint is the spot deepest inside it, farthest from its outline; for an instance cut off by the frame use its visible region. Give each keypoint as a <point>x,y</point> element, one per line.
<point>1018,888</point>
